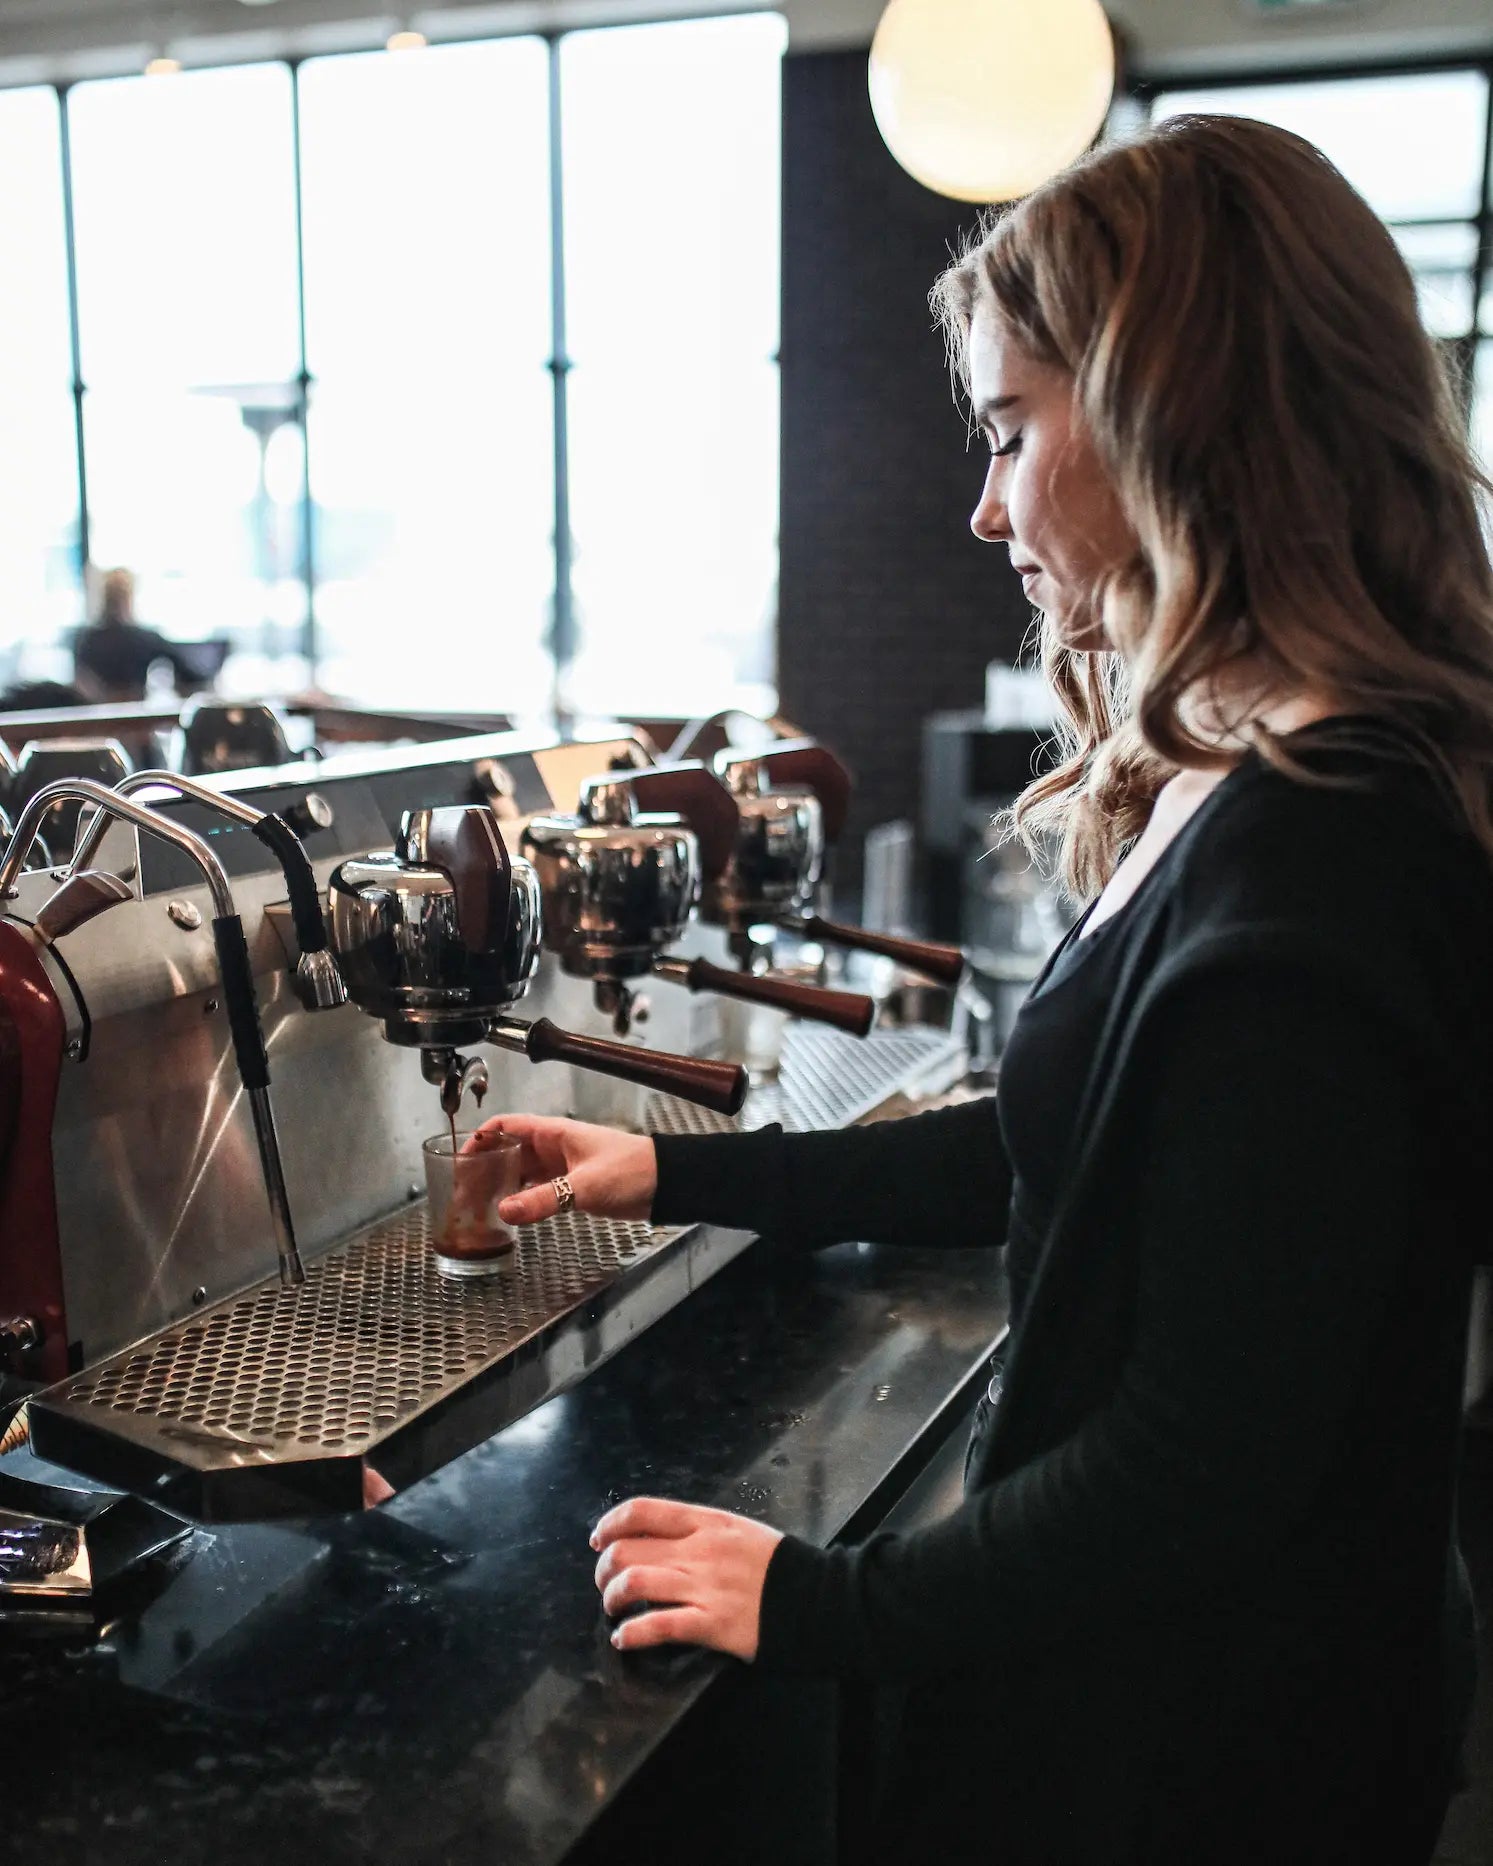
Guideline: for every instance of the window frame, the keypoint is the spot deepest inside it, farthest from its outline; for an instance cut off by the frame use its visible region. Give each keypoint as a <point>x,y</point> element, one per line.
<point>300,385</point>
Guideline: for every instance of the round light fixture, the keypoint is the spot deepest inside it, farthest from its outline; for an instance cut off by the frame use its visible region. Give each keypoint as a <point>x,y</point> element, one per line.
<point>405,41</point>
<point>983,100</point>
<point>162,66</point>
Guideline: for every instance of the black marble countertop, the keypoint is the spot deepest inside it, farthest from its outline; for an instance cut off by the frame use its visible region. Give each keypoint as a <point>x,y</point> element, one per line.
<point>431,1681</point>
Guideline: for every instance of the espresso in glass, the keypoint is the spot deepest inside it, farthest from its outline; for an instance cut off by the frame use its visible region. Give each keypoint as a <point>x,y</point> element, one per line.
<point>466,1177</point>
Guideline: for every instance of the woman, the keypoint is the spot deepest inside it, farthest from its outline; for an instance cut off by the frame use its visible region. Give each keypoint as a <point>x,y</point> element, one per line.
<point>1201,1600</point>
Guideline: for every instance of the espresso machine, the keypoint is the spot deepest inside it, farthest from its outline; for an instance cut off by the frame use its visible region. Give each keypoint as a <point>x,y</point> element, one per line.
<point>219,1296</point>
<point>440,938</point>
<point>229,735</point>
<point>621,878</point>
<point>792,795</point>
<point>791,799</point>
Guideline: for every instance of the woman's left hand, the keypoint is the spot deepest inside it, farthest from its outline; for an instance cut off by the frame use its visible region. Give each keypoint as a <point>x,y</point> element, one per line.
<point>701,1572</point>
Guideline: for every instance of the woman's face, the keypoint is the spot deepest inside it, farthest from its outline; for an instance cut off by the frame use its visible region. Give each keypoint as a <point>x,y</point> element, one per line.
<point>1046,495</point>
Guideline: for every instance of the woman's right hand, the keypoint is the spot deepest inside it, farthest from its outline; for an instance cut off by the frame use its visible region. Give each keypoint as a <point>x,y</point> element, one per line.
<point>614,1175</point>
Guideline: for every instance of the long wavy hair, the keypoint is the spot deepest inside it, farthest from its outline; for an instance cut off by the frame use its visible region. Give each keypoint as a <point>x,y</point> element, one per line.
<point>1287,446</point>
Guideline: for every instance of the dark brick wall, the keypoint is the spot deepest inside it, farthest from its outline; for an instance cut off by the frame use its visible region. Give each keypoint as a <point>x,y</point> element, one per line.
<point>889,608</point>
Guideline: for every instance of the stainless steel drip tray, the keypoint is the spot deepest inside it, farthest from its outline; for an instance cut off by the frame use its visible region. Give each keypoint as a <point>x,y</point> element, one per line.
<point>274,1402</point>
<point>287,1401</point>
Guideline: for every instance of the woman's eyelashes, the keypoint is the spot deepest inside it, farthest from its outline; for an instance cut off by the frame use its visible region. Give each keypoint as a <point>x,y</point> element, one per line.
<point>1012,446</point>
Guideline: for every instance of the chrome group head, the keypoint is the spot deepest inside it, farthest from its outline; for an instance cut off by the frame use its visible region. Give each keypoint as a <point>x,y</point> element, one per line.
<point>779,853</point>
<point>443,933</point>
<point>619,884</point>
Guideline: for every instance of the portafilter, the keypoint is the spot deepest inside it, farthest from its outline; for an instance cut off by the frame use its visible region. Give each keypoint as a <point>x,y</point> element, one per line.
<point>620,880</point>
<point>792,800</point>
<point>439,938</point>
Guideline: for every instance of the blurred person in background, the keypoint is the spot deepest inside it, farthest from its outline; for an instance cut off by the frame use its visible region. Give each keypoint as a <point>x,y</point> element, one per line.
<point>112,656</point>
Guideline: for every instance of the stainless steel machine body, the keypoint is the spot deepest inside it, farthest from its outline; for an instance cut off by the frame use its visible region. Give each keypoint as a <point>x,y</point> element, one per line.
<point>161,1219</point>
<point>621,878</point>
<point>157,1169</point>
<point>619,882</point>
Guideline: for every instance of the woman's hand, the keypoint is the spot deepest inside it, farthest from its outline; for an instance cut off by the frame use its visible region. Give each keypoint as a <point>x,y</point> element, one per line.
<point>701,1571</point>
<point>614,1175</point>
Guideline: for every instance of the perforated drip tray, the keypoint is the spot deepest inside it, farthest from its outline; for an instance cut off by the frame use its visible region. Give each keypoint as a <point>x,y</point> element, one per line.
<point>828,1080</point>
<point>377,1369</point>
<point>274,1401</point>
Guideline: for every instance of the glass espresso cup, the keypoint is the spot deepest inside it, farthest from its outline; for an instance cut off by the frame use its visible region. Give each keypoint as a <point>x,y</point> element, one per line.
<point>467,1237</point>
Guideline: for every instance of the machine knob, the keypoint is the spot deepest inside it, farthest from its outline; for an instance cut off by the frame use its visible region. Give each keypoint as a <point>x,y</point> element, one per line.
<point>308,814</point>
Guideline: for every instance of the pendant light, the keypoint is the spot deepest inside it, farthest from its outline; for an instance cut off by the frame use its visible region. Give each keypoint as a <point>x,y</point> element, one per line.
<point>983,100</point>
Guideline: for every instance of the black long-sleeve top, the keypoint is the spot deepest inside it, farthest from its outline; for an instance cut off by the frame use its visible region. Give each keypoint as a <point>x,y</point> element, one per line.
<point>1232,1398</point>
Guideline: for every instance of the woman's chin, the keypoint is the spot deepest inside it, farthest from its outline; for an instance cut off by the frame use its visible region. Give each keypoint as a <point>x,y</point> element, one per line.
<point>1078,634</point>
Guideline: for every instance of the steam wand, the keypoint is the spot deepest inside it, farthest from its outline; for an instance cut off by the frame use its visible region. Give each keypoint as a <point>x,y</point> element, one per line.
<point>233,964</point>
<point>319,983</point>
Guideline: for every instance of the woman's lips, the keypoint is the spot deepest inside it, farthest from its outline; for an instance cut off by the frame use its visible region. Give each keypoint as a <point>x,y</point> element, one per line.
<point>1026,571</point>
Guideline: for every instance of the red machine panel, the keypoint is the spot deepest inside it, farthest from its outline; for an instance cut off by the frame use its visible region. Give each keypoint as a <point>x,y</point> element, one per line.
<point>32,1033</point>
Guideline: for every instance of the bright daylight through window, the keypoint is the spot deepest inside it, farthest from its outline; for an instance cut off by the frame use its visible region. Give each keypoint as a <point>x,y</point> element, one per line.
<point>338,452</point>
<point>39,568</point>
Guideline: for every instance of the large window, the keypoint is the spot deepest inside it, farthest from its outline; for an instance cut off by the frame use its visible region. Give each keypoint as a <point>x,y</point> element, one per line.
<point>184,218</point>
<point>672,140</point>
<point>40,586</point>
<point>343,401</point>
<point>428,330</point>
<point>1416,146</point>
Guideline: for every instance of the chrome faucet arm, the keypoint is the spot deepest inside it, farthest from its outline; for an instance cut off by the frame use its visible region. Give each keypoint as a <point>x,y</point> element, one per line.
<point>111,803</point>
<point>92,828</point>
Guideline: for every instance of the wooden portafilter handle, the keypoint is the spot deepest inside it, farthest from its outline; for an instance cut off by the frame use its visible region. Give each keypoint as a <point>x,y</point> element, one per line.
<point>844,1010</point>
<point>943,964</point>
<point>719,1086</point>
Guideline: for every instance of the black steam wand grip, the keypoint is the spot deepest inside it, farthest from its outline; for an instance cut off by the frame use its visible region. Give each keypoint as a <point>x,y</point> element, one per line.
<point>240,1002</point>
<point>254,1068</point>
<point>300,881</point>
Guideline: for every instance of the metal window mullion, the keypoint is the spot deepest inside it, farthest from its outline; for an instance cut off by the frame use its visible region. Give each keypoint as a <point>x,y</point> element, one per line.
<point>70,244</point>
<point>1482,258</point>
<point>562,632</point>
<point>303,383</point>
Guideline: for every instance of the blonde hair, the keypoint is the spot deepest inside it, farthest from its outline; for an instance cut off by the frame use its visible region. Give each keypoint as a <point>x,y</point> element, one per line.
<point>117,596</point>
<point>1286,448</point>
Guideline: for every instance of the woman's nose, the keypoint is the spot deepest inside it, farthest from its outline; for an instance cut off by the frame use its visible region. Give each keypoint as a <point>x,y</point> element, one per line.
<point>988,520</point>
